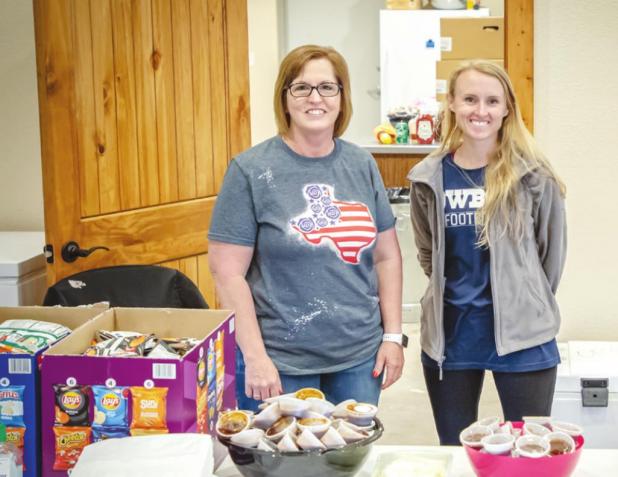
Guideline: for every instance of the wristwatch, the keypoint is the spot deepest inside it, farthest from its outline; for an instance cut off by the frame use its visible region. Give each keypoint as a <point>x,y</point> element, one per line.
<point>398,338</point>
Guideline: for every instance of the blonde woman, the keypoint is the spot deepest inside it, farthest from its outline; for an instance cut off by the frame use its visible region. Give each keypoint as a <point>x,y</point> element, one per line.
<point>489,221</point>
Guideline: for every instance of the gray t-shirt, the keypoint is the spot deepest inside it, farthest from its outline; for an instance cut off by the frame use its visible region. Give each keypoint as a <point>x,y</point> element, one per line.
<point>313,224</point>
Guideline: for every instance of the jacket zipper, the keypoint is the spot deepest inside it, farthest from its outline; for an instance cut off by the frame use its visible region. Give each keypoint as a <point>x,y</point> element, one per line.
<point>494,302</point>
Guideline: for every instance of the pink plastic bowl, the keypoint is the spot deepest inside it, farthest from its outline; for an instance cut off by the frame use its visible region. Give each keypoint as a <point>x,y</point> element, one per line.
<point>487,465</point>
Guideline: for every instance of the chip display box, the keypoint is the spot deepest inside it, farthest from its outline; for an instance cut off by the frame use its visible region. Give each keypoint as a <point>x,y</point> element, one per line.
<point>196,386</point>
<point>18,370</point>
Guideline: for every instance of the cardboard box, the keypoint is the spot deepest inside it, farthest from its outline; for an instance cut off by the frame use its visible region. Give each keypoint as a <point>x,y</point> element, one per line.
<point>204,376</point>
<point>23,370</point>
<point>472,38</point>
<point>444,69</point>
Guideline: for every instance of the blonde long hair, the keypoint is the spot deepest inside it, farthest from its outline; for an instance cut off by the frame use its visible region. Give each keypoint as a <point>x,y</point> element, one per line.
<point>516,153</point>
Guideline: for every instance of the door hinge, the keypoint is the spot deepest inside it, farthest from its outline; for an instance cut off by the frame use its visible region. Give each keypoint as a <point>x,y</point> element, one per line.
<point>48,252</point>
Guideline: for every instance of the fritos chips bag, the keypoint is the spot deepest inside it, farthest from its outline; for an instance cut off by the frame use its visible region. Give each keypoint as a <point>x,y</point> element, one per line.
<point>70,442</point>
<point>15,436</point>
<point>12,405</point>
<point>149,408</point>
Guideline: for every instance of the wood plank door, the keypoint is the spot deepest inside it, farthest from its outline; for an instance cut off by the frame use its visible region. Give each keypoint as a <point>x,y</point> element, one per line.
<point>142,104</point>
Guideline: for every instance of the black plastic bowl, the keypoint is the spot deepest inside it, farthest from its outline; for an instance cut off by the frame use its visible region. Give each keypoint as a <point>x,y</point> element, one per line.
<point>342,462</point>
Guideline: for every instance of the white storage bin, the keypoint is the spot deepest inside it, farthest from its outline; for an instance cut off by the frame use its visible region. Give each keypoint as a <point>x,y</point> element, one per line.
<point>22,268</point>
<point>588,376</point>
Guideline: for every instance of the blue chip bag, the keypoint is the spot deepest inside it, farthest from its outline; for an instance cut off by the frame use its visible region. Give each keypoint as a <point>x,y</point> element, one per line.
<point>102,433</point>
<point>110,406</point>
<point>12,406</point>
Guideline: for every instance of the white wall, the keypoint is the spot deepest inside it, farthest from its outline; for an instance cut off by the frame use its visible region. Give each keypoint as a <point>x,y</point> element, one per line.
<point>576,102</point>
<point>264,40</point>
<point>352,28</point>
<point>21,191</point>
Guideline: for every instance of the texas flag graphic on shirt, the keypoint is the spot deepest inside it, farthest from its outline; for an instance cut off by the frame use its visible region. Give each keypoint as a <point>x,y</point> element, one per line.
<point>348,226</point>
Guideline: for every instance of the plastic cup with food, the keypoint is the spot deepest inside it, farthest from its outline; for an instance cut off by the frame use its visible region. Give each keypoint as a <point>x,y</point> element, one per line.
<point>498,444</point>
<point>471,436</point>
<point>532,446</point>
<point>560,443</point>
<point>535,429</point>
<point>572,430</point>
<point>492,422</point>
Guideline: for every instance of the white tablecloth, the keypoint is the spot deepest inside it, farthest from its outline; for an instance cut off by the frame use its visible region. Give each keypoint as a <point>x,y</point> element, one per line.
<point>592,463</point>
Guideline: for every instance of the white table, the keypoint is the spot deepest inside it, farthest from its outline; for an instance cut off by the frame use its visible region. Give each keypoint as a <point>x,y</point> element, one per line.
<point>592,463</point>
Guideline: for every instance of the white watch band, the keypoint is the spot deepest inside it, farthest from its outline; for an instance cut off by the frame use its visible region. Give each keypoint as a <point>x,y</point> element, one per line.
<point>393,337</point>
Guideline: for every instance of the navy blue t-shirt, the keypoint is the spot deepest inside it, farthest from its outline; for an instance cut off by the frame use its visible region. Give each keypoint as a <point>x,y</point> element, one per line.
<point>468,308</point>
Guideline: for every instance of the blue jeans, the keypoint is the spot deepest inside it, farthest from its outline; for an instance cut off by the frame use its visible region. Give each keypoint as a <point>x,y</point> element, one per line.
<point>352,383</point>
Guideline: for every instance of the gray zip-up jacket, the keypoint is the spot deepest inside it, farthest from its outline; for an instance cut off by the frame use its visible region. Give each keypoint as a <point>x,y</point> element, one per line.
<point>524,275</point>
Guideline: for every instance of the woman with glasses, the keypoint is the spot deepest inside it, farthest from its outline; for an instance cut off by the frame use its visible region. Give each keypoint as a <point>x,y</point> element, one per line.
<point>489,223</point>
<point>302,246</point>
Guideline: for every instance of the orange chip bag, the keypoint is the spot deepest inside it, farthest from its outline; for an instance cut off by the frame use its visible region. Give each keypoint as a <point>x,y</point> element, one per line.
<point>147,432</point>
<point>149,408</point>
<point>70,442</point>
<point>15,436</point>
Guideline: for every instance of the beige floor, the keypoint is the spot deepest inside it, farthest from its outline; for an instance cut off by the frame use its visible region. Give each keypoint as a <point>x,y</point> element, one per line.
<point>404,407</point>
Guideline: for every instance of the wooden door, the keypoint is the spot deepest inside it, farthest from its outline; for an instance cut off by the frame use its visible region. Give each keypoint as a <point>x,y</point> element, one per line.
<point>142,104</point>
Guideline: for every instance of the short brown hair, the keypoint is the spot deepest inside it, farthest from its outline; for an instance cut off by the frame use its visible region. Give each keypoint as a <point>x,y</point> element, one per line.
<point>291,67</point>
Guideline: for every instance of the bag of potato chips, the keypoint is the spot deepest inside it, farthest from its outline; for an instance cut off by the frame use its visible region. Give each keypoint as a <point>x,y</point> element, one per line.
<point>110,406</point>
<point>29,336</point>
<point>70,442</point>
<point>149,408</point>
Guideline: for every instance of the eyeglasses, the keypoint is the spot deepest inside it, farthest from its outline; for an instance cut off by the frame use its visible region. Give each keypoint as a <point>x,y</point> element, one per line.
<point>303,90</point>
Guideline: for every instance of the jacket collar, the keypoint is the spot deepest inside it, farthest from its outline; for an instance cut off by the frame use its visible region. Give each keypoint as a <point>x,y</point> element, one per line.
<point>428,170</point>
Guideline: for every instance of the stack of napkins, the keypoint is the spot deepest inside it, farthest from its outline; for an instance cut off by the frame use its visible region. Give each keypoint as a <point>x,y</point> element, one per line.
<point>165,455</point>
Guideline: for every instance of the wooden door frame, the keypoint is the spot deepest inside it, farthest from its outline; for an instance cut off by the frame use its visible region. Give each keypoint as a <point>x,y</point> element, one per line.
<point>519,53</point>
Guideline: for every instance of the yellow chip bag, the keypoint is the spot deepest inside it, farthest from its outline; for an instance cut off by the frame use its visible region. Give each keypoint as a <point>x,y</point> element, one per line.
<point>147,432</point>
<point>149,408</point>
<point>15,435</point>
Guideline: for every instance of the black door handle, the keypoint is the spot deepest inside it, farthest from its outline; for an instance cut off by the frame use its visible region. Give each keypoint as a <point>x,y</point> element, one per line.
<point>71,251</point>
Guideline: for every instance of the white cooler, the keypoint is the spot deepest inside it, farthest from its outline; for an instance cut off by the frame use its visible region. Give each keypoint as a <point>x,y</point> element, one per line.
<point>587,390</point>
<point>22,268</point>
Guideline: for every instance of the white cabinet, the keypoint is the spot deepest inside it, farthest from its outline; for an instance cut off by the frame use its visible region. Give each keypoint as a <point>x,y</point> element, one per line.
<point>22,268</point>
<point>596,364</point>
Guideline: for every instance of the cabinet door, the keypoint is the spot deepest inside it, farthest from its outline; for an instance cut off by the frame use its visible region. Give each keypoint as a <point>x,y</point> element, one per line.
<point>142,104</point>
